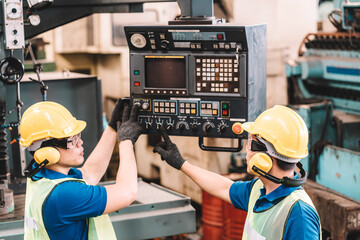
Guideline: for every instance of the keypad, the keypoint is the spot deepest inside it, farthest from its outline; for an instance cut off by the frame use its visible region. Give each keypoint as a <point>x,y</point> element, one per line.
<point>188,108</point>
<point>209,108</point>
<point>167,107</point>
<point>217,75</point>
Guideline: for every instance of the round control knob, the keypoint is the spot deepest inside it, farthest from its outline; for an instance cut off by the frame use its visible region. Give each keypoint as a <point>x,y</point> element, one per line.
<point>147,125</point>
<point>164,44</point>
<point>181,126</point>
<point>138,104</point>
<point>237,128</point>
<point>207,127</point>
<point>169,127</point>
<point>145,106</point>
<point>158,126</point>
<point>194,127</point>
<point>222,128</point>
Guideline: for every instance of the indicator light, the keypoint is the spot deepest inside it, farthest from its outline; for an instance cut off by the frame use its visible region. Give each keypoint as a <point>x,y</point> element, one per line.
<point>136,84</point>
<point>136,72</point>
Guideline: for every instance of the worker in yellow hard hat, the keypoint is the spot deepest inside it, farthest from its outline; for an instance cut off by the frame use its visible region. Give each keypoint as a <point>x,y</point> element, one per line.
<point>64,202</point>
<point>277,205</point>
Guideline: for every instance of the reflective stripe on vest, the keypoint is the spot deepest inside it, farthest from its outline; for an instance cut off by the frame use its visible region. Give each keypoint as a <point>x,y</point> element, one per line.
<point>100,228</point>
<point>271,223</point>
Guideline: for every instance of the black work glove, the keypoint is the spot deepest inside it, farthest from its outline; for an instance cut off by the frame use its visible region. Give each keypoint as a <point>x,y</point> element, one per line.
<point>169,151</point>
<point>129,128</point>
<point>117,113</point>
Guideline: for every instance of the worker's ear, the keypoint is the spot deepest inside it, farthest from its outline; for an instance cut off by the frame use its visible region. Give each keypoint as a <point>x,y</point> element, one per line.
<point>262,161</point>
<point>47,153</point>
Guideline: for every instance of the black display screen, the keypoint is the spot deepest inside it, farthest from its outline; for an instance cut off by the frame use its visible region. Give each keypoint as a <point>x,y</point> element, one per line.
<point>165,72</point>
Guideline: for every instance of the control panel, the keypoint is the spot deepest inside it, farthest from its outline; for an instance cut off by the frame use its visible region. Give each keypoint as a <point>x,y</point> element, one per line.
<point>13,23</point>
<point>200,81</point>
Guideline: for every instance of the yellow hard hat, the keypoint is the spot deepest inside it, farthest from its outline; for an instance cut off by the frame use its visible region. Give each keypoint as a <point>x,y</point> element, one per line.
<point>45,120</point>
<point>284,129</point>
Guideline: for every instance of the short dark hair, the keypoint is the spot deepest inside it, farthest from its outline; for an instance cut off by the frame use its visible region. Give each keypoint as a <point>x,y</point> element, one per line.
<point>285,165</point>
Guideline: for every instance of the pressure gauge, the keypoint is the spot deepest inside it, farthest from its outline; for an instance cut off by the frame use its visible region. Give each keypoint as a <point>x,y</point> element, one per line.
<point>138,40</point>
<point>34,19</point>
<point>13,10</point>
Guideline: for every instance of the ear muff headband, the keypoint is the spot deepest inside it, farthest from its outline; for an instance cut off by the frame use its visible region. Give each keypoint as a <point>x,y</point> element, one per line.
<point>285,180</point>
<point>261,161</point>
<point>43,157</point>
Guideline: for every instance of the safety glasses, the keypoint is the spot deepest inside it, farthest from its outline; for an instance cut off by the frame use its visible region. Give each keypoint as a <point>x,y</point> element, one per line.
<point>65,143</point>
<point>73,141</point>
<point>257,146</point>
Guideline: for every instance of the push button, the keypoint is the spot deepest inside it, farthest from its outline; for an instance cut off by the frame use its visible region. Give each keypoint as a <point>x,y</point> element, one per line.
<point>237,128</point>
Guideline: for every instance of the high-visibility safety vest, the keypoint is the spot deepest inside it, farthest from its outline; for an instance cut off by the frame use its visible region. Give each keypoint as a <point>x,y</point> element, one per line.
<point>270,224</point>
<point>100,228</point>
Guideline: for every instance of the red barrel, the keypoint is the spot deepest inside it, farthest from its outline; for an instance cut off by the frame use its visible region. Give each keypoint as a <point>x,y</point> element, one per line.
<point>233,222</point>
<point>212,216</point>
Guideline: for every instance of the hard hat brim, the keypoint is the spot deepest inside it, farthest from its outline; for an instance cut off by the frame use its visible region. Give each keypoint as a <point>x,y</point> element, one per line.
<point>248,127</point>
<point>80,126</point>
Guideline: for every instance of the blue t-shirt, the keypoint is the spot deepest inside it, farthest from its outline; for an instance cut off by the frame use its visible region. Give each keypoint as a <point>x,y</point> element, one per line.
<point>70,204</point>
<point>303,222</point>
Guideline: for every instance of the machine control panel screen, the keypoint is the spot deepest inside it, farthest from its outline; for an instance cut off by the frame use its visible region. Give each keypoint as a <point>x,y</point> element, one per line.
<point>158,68</point>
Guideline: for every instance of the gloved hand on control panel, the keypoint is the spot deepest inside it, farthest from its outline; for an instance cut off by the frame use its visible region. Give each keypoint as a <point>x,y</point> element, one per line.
<point>117,112</point>
<point>169,151</point>
<point>129,128</point>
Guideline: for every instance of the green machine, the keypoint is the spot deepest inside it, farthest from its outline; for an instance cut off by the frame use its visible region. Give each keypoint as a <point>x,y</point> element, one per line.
<point>324,88</point>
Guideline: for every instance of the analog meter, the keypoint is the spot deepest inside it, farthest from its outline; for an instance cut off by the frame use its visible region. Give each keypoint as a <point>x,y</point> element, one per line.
<point>138,40</point>
<point>13,10</point>
<point>34,19</point>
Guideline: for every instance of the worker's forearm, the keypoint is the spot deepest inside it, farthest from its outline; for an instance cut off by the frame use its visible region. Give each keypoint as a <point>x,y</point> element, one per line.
<point>98,161</point>
<point>123,192</point>
<point>127,172</point>
<point>212,183</point>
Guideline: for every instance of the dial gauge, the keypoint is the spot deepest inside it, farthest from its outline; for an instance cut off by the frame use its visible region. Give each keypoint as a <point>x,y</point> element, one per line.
<point>13,10</point>
<point>34,19</point>
<point>138,40</point>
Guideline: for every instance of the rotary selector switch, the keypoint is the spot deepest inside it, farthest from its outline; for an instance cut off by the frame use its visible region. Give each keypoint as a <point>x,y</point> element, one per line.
<point>158,126</point>
<point>222,127</point>
<point>182,126</point>
<point>208,126</point>
<point>169,127</point>
<point>145,106</point>
<point>164,44</point>
<point>148,125</point>
<point>195,126</point>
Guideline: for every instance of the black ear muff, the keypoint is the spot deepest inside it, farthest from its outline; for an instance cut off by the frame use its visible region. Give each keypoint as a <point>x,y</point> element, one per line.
<point>51,154</point>
<point>261,161</point>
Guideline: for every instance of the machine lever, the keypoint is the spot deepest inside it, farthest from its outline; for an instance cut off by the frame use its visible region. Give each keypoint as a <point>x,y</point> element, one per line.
<point>219,149</point>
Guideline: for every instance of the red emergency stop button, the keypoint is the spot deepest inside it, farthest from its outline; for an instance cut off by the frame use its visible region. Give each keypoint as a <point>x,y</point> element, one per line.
<point>237,128</point>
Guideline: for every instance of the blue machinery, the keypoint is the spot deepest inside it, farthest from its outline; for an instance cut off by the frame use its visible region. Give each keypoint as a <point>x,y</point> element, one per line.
<point>324,87</point>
